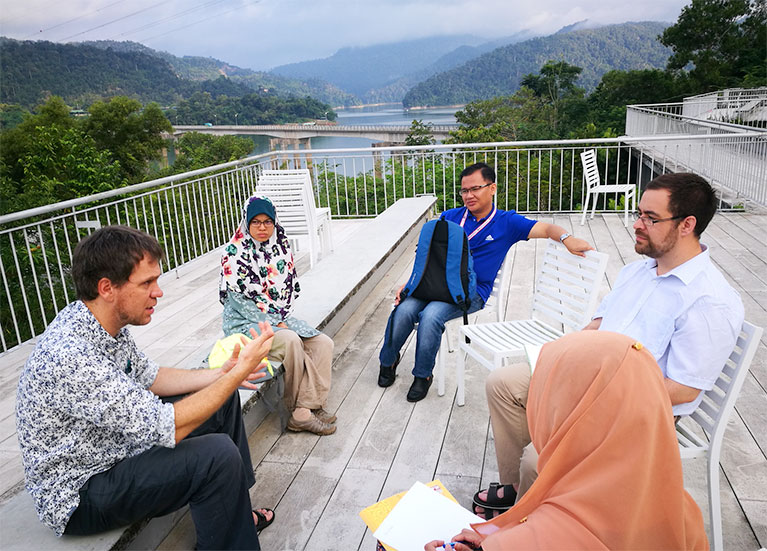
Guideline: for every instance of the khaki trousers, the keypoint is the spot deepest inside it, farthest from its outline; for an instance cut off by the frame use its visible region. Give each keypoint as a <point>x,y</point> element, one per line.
<point>506,390</point>
<point>307,364</point>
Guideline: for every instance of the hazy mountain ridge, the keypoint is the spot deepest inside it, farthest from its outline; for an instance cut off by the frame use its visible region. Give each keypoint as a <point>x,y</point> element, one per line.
<point>367,71</point>
<point>596,50</point>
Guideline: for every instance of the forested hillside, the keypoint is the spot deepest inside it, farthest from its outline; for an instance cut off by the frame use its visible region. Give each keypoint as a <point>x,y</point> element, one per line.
<point>207,68</point>
<point>625,47</point>
<point>83,73</point>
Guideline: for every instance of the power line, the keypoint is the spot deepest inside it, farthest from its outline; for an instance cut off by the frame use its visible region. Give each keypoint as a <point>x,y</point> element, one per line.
<point>73,19</point>
<point>114,21</point>
<point>161,21</point>
<point>196,22</point>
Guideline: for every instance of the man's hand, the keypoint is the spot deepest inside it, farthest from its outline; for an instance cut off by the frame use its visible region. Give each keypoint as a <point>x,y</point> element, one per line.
<point>397,298</point>
<point>577,246</point>
<point>252,353</point>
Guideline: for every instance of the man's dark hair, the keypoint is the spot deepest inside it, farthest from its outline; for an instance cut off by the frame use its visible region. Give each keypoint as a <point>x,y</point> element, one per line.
<point>111,252</point>
<point>689,195</point>
<point>488,174</point>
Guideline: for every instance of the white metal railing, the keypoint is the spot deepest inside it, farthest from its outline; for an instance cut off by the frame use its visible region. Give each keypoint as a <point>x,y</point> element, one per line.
<point>194,213</point>
<point>722,111</point>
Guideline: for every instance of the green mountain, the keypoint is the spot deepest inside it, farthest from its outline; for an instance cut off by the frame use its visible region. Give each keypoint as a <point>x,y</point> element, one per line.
<point>83,73</point>
<point>198,68</point>
<point>596,50</point>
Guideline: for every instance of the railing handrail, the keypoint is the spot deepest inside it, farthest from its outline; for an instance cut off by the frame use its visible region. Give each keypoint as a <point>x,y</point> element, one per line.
<point>721,93</point>
<point>741,129</point>
<point>328,127</point>
<point>70,203</point>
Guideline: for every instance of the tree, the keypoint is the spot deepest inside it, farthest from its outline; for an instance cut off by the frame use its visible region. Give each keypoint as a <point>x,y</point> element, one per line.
<point>132,136</point>
<point>554,81</point>
<point>198,150</point>
<point>55,164</point>
<point>724,40</point>
<point>420,134</point>
<point>617,89</point>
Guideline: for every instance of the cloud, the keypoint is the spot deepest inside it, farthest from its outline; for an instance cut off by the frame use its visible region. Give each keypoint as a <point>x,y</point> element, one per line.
<point>261,34</point>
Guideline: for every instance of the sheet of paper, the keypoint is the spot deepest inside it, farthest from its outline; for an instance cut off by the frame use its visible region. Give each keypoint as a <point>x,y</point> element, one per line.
<point>532,352</point>
<point>376,513</point>
<point>420,516</point>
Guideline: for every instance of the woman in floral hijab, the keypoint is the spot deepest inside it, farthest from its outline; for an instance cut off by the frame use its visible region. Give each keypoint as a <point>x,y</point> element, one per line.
<point>259,283</point>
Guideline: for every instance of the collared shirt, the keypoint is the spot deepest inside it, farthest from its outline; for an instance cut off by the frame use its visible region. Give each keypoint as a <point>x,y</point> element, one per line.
<point>689,319</point>
<point>82,405</point>
<point>490,245</point>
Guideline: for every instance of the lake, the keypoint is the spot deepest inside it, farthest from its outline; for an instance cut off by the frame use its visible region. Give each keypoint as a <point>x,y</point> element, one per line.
<point>389,115</point>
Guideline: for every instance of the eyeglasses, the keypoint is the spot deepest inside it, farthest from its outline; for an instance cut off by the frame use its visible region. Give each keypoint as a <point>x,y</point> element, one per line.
<point>647,221</point>
<point>263,223</point>
<point>465,191</point>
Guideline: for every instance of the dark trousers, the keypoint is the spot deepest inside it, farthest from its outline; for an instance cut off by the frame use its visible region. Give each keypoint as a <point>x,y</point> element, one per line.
<point>210,470</point>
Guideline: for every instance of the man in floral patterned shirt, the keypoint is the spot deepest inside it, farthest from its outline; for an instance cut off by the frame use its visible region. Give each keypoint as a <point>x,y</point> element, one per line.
<point>100,448</point>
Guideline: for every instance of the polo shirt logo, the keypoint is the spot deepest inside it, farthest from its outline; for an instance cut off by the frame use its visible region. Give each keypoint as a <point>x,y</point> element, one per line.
<point>489,238</point>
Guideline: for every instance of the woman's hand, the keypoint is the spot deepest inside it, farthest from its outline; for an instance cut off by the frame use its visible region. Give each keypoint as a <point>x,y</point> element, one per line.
<point>282,325</point>
<point>467,540</point>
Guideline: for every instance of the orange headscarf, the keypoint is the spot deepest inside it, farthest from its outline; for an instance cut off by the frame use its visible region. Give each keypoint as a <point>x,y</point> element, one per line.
<point>610,472</point>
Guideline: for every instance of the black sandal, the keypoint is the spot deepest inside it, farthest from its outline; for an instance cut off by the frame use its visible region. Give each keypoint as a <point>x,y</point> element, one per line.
<point>494,503</point>
<point>262,520</point>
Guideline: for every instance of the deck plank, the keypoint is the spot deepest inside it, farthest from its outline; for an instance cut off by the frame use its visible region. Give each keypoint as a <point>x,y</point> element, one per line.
<point>383,444</point>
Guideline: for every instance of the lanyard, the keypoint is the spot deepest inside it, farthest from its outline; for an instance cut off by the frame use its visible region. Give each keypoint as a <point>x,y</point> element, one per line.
<point>482,226</point>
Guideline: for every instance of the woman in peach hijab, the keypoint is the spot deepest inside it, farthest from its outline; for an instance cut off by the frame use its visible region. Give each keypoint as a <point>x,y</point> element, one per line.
<point>610,471</point>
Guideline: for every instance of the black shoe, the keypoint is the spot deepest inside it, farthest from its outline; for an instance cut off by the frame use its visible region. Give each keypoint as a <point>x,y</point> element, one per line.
<point>386,375</point>
<point>419,388</point>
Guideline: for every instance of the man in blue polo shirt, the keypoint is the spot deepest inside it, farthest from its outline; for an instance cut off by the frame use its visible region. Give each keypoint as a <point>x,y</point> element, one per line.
<point>491,232</point>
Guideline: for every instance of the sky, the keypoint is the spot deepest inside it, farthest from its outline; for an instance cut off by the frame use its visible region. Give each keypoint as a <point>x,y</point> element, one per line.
<point>261,34</point>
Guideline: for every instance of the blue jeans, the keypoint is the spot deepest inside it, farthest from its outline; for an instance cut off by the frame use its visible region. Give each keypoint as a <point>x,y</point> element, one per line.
<point>430,317</point>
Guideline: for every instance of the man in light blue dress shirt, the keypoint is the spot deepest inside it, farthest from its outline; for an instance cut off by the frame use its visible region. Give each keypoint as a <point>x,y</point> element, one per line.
<point>675,302</point>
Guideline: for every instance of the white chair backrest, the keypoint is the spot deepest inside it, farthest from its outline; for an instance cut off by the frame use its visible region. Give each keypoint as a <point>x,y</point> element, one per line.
<point>590,170</point>
<point>567,287</point>
<point>290,191</point>
<point>498,298</point>
<point>713,412</point>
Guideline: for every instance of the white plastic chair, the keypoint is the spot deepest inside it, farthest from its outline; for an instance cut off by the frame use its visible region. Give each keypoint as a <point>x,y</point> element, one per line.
<point>293,197</point>
<point>712,416</point>
<point>566,293</point>
<point>594,187</point>
<point>496,304</point>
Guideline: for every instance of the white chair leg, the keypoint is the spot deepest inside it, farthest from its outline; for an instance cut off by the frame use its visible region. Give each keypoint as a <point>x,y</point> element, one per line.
<point>714,504</point>
<point>626,208</point>
<point>585,208</point>
<point>594,205</point>
<point>448,334</point>
<point>441,368</point>
<point>459,377</point>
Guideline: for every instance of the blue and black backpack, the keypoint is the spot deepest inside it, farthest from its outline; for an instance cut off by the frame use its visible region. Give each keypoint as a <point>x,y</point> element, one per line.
<point>443,268</point>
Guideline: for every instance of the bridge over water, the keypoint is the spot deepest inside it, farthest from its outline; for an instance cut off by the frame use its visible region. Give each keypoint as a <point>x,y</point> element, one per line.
<point>383,133</point>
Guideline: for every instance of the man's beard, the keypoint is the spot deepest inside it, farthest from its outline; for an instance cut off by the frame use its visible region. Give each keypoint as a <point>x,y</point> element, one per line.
<point>654,249</point>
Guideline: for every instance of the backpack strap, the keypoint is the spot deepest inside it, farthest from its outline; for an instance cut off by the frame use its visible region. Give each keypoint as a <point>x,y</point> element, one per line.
<point>421,257</point>
<point>456,243</point>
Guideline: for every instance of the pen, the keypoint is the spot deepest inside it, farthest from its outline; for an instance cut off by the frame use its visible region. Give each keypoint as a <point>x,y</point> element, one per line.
<point>452,544</point>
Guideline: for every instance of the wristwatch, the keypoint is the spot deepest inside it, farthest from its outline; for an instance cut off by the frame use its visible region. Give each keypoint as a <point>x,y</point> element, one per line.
<point>563,237</point>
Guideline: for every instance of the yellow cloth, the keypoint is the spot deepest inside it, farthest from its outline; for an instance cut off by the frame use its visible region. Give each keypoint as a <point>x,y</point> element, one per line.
<point>223,349</point>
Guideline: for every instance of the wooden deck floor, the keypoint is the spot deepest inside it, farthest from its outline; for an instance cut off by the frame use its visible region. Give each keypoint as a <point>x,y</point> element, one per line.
<point>318,485</point>
<point>383,444</point>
